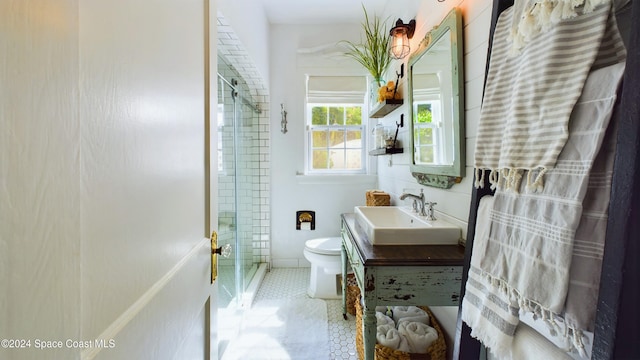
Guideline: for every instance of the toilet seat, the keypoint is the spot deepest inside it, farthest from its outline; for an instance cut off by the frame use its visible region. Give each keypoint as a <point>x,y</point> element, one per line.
<point>324,246</point>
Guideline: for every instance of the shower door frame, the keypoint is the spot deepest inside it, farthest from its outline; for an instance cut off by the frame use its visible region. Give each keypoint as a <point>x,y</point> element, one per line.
<point>242,213</point>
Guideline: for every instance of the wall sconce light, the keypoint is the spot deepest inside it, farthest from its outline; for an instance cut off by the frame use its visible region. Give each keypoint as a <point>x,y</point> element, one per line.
<point>399,37</point>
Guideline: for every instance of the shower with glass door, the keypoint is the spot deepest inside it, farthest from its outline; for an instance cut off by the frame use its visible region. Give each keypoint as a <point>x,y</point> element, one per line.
<point>238,184</point>
<point>238,198</point>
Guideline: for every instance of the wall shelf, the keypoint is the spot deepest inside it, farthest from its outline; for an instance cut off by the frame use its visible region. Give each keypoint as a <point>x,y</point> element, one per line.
<point>385,151</point>
<point>384,108</point>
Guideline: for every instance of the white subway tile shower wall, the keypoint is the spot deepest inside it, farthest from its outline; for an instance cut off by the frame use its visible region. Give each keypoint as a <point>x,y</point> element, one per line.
<point>230,48</point>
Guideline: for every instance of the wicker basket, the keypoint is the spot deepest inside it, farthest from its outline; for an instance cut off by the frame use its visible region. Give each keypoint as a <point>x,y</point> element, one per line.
<point>378,198</point>
<point>353,294</point>
<point>436,351</point>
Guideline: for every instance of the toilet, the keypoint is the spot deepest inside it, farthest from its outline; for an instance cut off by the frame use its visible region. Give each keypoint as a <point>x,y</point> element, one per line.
<point>326,264</point>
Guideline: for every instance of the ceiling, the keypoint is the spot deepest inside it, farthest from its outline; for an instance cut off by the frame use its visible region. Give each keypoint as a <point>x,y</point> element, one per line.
<point>326,11</point>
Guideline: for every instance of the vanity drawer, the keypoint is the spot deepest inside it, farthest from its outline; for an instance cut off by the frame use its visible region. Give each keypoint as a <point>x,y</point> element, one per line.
<point>359,274</point>
<point>352,252</point>
<point>353,258</point>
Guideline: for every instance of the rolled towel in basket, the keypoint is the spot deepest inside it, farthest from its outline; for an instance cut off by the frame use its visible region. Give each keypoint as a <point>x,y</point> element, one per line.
<point>404,344</point>
<point>383,319</point>
<point>388,336</point>
<point>410,313</point>
<point>418,335</point>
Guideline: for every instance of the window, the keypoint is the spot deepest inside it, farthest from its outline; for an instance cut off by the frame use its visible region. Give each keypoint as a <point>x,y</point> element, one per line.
<point>427,134</point>
<point>429,129</point>
<point>335,126</point>
<point>336,141</point>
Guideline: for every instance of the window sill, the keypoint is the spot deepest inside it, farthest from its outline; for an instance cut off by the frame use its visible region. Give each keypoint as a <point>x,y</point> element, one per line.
<point>333,179</point>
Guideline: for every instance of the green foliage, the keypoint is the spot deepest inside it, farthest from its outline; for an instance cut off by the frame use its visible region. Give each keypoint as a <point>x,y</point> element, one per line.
<point>354,115</point>
<point>336,116</point>
<point>424,115</point>
<point>350,115</point>
<point>423,134</point>
<point>373,53</point>
<point>319,115</point>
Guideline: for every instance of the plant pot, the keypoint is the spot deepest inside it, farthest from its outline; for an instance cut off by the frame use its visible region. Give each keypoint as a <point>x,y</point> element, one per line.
<point>373,92</point>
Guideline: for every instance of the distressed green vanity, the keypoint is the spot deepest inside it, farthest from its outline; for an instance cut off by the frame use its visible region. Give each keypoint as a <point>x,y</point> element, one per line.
<point>393,275</point>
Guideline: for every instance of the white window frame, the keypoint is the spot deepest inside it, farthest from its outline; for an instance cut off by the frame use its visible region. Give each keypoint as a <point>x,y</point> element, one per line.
<point>437,130</point>
<point>308,139</point>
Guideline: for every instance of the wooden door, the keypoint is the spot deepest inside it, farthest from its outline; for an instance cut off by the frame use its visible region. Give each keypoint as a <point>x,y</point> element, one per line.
<point>104,208</point>
<point>145,172</point>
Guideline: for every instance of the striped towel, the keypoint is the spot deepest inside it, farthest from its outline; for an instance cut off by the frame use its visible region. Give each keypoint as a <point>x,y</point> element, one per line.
<point>529,96</point>
<point>541,252</point>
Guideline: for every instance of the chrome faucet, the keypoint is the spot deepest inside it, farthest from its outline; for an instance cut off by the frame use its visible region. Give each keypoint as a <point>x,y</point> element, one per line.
<point>425,207</point>
<point>416,200</point>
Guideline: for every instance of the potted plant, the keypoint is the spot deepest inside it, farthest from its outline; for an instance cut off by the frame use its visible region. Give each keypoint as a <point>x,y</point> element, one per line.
<point>373,52</point>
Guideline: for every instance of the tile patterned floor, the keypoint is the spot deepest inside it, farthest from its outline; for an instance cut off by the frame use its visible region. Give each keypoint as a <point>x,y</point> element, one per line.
<point>291,283</point>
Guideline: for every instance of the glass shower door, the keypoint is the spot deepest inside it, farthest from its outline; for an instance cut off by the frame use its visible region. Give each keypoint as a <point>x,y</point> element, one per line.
<point>238,205</point>
<point>237,200</point>
<point>227,216</point>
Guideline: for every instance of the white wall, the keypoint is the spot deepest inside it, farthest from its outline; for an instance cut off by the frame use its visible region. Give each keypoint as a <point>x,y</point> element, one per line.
<point>328,197</point>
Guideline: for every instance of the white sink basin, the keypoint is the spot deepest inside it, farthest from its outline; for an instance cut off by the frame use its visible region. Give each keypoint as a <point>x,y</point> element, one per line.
<point>395,225</point>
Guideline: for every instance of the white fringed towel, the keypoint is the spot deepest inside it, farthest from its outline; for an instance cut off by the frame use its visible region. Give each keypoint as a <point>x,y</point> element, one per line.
<point>529,96</point>
<point>419,336</point>
<point>541,252</point>
<point>536,17</point>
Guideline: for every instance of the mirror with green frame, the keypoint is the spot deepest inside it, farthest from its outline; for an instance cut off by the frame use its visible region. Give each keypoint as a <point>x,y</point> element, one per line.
<point>436,98</point>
